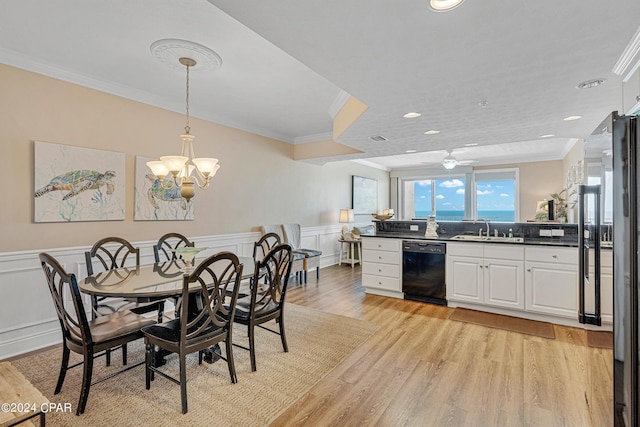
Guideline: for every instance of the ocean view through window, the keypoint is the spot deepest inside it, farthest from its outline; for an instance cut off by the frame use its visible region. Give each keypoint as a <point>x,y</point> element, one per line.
<point>490,194</point>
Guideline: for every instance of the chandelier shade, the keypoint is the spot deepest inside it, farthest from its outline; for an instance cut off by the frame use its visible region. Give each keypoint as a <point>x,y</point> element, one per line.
<point>181,167</point>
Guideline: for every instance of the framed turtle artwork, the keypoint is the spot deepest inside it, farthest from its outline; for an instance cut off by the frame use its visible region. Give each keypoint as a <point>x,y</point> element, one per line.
<point>78,184</point>
<point>155,201</point>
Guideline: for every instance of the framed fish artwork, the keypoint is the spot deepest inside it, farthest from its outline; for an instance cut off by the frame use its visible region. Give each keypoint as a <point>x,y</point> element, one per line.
<point>78,184</point>
<point>155,201</point>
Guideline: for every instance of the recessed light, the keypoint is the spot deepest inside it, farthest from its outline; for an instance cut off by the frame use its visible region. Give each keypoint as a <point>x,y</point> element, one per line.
<point>483,104</point>
<point>588,84</point>
<point>411,115</point>
<point>471,144</point>
<point>444,5</point>
<point>432,132</point>
<point>548,135</point>
<point>570,118</point>
<point>411,151</point>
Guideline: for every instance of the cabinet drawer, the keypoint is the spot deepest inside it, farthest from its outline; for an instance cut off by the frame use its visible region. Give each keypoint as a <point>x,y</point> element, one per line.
<point>387,270</point>
<point>382,257</point>
<point>465,249</point>
<point>381,244</point>
<point>549,254</point>
<point>381,282</point>
<point>508,251</point>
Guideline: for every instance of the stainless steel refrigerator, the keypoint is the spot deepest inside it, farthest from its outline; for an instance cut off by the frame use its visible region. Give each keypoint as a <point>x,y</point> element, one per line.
<point>626,135</point>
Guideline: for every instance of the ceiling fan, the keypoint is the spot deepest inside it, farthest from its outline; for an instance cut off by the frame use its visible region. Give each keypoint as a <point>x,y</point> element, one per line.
<point>450,162</point>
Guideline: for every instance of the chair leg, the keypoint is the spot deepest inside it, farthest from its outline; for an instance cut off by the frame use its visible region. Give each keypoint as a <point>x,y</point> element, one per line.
<point>160,311</point>
<point>86,382</point>
<point>317,273</point>
<point>148,363</point>
<point>283,337</point>
<point>232,367</point>
<point>183,382</point>
<point>63,368</point>
<point>252,346</point>
<point>124,354</point>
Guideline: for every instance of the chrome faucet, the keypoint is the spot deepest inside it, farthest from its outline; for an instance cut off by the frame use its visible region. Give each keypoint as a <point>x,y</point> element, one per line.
<point>486,223</point>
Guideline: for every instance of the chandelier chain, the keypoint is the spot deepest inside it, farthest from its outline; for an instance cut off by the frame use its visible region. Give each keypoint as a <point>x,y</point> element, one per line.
<point>187,127</point>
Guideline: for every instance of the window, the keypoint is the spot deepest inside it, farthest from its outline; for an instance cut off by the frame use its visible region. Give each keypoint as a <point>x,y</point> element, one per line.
<point>496,195</point>
<point>442,197</point>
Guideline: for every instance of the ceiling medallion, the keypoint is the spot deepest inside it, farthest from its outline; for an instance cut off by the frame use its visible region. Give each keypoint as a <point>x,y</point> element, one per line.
<point>169,52</point>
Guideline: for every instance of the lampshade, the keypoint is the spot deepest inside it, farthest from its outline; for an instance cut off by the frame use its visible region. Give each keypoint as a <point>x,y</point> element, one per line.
<point>158,168</point>
<point>346,215</point>
<point>207,165</point>
<point>174,163</point>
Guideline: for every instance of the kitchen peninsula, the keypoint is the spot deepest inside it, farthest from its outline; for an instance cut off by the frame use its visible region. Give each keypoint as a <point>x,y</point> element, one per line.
<point>533,274</point>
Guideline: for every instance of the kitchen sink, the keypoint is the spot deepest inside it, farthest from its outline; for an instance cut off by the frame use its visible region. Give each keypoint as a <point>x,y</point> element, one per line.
<point>474,238</point>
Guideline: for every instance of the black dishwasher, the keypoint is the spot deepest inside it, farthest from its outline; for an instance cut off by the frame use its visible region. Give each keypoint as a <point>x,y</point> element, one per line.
<point>423,271</point>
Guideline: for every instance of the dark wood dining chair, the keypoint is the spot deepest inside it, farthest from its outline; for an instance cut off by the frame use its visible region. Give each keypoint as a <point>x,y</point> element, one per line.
<point>113,253</point>
<point>264,244</point>
<point>268,291</point>
<point>217,281</point>
<point>165,249</point>
<point>299,259</point>
<point>92,338</point>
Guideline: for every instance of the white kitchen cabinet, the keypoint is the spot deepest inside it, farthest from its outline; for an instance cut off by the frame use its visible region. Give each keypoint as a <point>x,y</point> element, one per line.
<point>382,266</point>
<point>487,274</point>
<point>551,281</point>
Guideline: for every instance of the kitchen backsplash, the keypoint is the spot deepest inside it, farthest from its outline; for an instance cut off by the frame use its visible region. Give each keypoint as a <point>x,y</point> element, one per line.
<point>528,230</point>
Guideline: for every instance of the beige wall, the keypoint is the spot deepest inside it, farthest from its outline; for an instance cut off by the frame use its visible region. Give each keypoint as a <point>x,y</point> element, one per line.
<point>258,182</point>
<point>537,181</point>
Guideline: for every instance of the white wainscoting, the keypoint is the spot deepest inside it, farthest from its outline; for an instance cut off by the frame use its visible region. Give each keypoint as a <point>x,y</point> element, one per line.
<point>28,320</point>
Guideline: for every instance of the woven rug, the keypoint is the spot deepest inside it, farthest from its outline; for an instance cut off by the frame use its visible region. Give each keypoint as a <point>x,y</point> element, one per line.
<point>508,323</point>
<point>318,342</point>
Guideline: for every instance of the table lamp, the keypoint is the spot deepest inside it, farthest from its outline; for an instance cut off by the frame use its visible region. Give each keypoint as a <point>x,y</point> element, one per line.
<point>346,215</point>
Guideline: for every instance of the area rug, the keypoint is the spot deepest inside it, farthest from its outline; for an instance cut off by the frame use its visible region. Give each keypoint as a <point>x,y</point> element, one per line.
<point>318,342</point>
<point>600,339</point>
<point>508,323</point>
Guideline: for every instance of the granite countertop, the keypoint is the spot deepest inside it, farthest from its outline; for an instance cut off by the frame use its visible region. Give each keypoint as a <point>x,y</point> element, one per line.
<point>527,240</point>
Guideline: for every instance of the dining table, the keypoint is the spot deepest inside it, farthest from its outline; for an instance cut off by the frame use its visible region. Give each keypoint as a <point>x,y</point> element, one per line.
<point>152,282</point>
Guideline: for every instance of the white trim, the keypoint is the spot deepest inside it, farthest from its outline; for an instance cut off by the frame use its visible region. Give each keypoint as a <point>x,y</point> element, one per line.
<point>629,53</point>
<point>326,136</point>
<point>338,103</point>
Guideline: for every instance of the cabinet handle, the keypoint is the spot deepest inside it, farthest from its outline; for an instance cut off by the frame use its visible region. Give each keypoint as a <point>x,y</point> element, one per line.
<point>379,257</point>
<point>529,270</point>
<point>379,271</point>
<point>554,256</point>
<point>482,266</point>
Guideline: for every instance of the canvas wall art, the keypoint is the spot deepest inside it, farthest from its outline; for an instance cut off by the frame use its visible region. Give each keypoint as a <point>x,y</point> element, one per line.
<point>78,184</point>
<point>364,195</point>
<point>156,202</point>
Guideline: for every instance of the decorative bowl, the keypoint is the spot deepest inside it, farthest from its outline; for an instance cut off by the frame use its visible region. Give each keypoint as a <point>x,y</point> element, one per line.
<point>382,217</point>
<point>188,255</point>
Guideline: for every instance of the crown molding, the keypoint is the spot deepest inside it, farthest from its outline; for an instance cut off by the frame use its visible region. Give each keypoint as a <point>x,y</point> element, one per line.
<point>338,103</point>
<point>326,136</point>
<point>629,54</point>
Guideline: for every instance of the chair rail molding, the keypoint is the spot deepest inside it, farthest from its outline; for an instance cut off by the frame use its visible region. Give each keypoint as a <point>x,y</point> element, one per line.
<point>27,316</point>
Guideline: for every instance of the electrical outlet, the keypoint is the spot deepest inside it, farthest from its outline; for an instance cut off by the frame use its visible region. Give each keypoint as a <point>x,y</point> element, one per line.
<point>545,233</point>
<point>557,232</point>
<point>413,228</point>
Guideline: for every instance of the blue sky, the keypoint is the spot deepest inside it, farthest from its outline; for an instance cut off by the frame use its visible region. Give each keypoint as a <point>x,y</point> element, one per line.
<point>450,195</point>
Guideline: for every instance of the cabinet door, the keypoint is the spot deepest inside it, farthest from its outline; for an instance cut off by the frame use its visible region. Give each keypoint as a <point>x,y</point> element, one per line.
<point>552,289</point>
<point>464,279</point>
<point>504,283</point>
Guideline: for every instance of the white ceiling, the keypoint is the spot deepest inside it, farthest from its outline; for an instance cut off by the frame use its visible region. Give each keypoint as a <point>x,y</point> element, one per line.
<point>285,62</point>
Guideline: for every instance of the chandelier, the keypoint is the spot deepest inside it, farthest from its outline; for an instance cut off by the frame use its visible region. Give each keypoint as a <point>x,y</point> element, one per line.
<point>185,169</point>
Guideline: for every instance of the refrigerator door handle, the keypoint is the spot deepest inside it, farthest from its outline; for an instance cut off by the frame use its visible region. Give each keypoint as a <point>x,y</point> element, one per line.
<point>585,238</point>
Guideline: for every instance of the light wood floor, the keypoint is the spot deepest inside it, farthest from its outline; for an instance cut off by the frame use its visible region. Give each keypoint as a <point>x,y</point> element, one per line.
<point>421,369</point>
